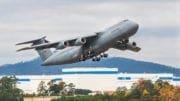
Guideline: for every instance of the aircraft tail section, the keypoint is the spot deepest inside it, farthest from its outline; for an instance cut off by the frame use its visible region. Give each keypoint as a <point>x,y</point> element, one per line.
<point>43,53</point>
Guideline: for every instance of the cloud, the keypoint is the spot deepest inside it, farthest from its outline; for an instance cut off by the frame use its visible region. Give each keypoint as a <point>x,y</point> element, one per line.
<point>59,19</point>
<point>165,50</point>
<point>148,14</point>
<point>161,49</point>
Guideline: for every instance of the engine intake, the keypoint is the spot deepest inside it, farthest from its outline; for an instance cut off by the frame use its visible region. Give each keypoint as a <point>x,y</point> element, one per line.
<point>80,41</point>
<point>134,43</point>
<point>62,45</point>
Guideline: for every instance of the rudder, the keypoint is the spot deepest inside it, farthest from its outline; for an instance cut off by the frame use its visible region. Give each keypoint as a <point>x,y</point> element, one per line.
<point>43,53</point>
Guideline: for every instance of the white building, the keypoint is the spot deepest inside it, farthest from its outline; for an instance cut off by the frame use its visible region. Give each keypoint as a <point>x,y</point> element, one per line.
<point>96,79</point>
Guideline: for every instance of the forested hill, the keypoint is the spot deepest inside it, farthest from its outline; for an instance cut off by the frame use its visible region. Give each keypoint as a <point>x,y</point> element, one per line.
<point>34,67</point>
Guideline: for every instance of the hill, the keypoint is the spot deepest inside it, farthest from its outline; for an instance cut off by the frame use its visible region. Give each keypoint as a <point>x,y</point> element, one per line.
<point>34,67</point>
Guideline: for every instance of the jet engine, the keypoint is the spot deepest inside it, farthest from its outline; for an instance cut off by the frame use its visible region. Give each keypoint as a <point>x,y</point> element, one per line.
<point>62,45</point>
<point>80,41</point>
<point>131,44</point>
<point>134,43</point>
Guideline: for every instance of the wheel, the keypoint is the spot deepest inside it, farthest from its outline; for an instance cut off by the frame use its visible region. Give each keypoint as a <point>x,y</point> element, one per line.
<point>102,55</point>
<point>105,55</point>
<point>125,40</point>
<point>93,59</point>
<point>83,59</point>
<point>98,59</point>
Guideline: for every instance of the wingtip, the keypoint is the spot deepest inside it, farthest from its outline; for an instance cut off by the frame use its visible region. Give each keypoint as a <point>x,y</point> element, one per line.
<point>17,44</point>
<point>27,42</point>
<point>18,50</point>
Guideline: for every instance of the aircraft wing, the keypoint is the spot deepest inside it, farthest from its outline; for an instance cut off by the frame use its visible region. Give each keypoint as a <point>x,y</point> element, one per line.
<point>88,39</point>
<point>127,46</point>
<point>59,44</point>
<point>41,46</point>
<point>27,42</point>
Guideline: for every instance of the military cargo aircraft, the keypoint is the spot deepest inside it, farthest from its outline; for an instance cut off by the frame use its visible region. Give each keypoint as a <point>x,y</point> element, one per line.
<point>88,47</point>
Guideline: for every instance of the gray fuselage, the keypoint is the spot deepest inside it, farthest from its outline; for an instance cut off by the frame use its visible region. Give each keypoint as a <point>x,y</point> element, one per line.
<point>102,43</point>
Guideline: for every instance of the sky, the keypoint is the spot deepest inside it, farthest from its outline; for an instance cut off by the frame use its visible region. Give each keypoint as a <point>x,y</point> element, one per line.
<point>158,34</point>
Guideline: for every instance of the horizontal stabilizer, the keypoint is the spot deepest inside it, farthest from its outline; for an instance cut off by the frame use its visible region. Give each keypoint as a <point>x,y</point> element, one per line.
<point>41,46</point>
<point>43,53</point>
<point>32,41</point>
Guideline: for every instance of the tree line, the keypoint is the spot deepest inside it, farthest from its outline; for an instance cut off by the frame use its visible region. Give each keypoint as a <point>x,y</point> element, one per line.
<point>56,89</point>
<point>142,90</point>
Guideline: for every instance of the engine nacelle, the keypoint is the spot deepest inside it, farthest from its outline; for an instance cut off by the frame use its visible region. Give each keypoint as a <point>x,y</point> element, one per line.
<point>80,41</point>
<point>62,45</point>
<point>134,43</point>
<point>130,45</point>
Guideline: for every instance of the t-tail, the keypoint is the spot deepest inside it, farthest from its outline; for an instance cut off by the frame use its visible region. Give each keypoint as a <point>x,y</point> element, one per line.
<point>43,53</point>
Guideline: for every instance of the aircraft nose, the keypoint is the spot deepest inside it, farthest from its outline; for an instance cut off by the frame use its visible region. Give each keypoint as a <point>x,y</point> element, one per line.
<point>134,27</point>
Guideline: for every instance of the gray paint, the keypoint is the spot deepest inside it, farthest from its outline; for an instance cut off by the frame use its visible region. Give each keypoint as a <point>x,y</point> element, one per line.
<point>110,38</point>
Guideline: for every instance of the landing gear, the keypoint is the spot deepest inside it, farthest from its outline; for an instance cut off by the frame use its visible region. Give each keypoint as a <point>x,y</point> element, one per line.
<point>86,56</point>
<point>125,40</point>
<point>92,55</point>
<point>98,58</point>
<point>93,59</point>
<point>82,58</point>
<point>105,55</point>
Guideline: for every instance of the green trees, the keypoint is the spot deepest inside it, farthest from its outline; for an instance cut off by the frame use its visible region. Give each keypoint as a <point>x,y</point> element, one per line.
<point>8,90</point>
<point>121,93</point>
<point>82,91</point>
<point>42,89</point>
<point>53,88</point>
<point>135,93</point>
<point>71,89</point>
<point>143,90</point>
<point>56,89</point>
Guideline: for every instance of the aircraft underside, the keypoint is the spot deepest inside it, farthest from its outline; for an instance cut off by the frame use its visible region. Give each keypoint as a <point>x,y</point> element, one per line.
<point>88,47</point>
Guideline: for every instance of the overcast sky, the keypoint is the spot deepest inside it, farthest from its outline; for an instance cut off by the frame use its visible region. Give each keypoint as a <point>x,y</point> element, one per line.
<point>158,35</point>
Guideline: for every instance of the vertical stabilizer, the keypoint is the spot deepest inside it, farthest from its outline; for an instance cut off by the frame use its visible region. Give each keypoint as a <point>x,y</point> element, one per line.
<point>43,53</point>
